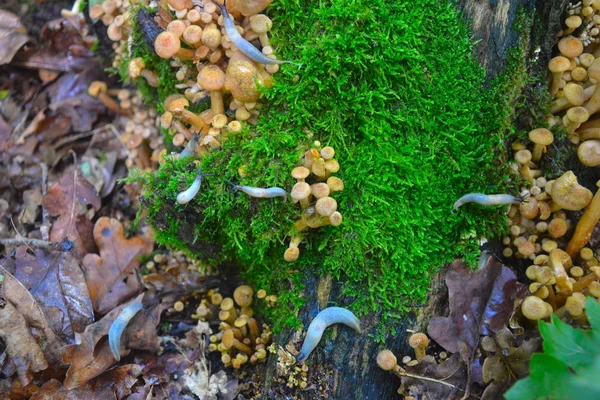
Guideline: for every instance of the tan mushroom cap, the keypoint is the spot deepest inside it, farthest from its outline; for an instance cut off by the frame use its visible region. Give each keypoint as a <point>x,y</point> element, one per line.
<point>260,23</point>
<point>573,22</point>
<point>326,206</point>
<point>178,105</point>
<point>250,7</point>
<point>243,295</point>
<point>574,93</point>
<point>534,308</point>
<point>570,46</point>
<point>335,219</point>
<point>96,88</point>
<point>300,191</point>
<point>291,254</point>
<point>418,340</point>
<point>327,153</point>
<point>589,153</point>
<point>135,67</point>
<point>569,194</point>
<point>335,184</point>
<point>542,135</point>
<point>320,190</point>
<point>243,77</point>
<point>300,173</point>
<point>167,44</point>
<point>386,360</point>
<point>211,78</point>
<point>578,114</point>
<point>559,64</point>
<point>180,4</point>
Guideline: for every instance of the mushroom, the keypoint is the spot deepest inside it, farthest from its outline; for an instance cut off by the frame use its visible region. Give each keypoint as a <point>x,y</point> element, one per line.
<point>212,37</point>
<point>573,22</point>
<point>335,184</point>
<point>192,35</point>
<point>326,206</point>
<point>557,227</point>
<point>589,153</point>
<point>557,66</point>
<point>243,295</point>
<point>136,68</point>
<point>534,308</point>
<point>320,190</point>
<point>576,116</point>
<point>418,341</point>
<point>569,194</point>
<point>541,138</point>
<point>168,45</point>
<point>585,226</point>
<point>250,7</point>
<point>573,95</point>
<point>570,46</point>
<point>179,5</point>
<point>300,173</point>
<point>177,107</point>
<point>560,261</point>
<point>243,77</point>
<point>335,219</point>
<point>98,89</point>
<point>301,193</point>
<point>387,361</point>
<point>261,24</point>
<point>292,252</point>
<point>230,341</point>
<point>212,78</point>
<point>593,104</point>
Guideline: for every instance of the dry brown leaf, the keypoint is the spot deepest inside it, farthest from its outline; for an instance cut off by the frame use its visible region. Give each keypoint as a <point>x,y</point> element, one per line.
<point>111,277</point>
<point>452,371</point>
<point>480,301</point>
<point>57,282</point>
<point>93,356</point>
<point>12,36</point>
<point>113,384</point>
<point>22,348</point>
<point>68,200</point>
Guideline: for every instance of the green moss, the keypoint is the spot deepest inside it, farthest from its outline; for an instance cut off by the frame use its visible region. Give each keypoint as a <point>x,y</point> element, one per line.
<point>413,128</point>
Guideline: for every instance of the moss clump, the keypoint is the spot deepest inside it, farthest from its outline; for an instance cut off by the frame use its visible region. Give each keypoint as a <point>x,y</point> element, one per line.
<point>393,87</point>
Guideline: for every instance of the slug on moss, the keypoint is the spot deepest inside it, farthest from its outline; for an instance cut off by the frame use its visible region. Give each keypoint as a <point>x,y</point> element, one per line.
<point>267,193</point>
<point>187,195</point>
<point>486,199</point>
<point>327,317</point>
<point>118,327</point>
<point>190,149</point>
<point>245,46</point>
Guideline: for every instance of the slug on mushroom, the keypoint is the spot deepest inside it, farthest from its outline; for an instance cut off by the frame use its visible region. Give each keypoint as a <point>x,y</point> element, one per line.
<point>326,318</point>
<point>190,149</point>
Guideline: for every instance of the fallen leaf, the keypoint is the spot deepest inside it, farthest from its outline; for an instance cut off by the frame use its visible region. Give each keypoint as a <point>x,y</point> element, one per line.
<point>21,347</point>
<point>56,280</point>
<point>452,371</point>
<point>113,384</point>
<point>480,301</point>
<point>111,277</point>
<point>68,200</point>
<point>12,36</point>
<point>92,356</point>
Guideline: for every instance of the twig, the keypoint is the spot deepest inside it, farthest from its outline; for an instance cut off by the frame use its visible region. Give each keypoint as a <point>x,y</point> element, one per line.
<point>45,229</point>
<point>37,243</point>
<point>401,372</point>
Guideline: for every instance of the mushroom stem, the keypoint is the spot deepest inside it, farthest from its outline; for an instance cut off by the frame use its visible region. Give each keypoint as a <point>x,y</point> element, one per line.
<point>557,260</point>
<point>584,282</point>
<point>585,226</point>
<point>216,102</point>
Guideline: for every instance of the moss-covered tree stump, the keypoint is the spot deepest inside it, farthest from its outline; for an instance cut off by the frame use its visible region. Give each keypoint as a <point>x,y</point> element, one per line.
<point>416,123</point>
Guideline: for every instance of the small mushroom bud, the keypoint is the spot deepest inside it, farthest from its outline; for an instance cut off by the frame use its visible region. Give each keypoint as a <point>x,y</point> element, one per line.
<point>136,68</point>
<point>243,295</point>
<point>326,206</point>
<point>167,45</point>
<point>558,65</point>
<point>589,153</point>
<point>541,138</point>
<point>386,360</point>
<point>261,24</point>
<point>529,208</point>
<point>335,184</point>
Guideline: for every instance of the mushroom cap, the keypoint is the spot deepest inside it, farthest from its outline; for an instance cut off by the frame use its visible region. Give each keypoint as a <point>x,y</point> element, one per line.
<point>166,119</point>
<point>417,340</point>
<point>212,37</point>
<point>559,64</point>
<point>177,106</point>
<point>135,67</point>
<point>542,135</point>
<point>578,114</point>
<point>243,77</point>
<point>211,78</point>
<point>335,219</point>
<point>589,153</point>
<point>594,69</point>
<point>570,46</point>
<point>291,254</point>
<point>243,295</point>
<point>335,184</point>
<point>167,44</point>
<point>523,156</point>
<point>534,308</point>
<point>260,23</point>
<point>574,93</point>
<point>332,166</point>
<point>96,88</point>
<point>300,172</point>
<point>327,153</point>
<point>228,339</point>
<point>320,190</point>
<point>251,7</point>
<point>386,360</point>
<point>573,22</point>
<point>326,206</point>
<point>227,304</point>
<point>180,4</point>
<point>569,194</point>
<point>300,191</point>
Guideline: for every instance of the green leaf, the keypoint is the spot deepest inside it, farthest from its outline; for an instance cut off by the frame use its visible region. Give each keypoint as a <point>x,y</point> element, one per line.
<point>585,384</point>
<point>571,346</point>
<point>544,381</point>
